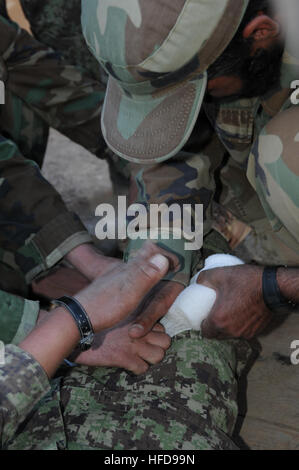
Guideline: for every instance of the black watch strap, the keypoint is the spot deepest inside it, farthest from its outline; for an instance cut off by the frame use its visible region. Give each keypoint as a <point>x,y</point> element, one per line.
<point>81,318</point>
<point>273,297</point>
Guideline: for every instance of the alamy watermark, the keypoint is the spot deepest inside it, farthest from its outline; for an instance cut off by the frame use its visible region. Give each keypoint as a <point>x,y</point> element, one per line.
<point>2,354</point>
<point>2,92</point>
<point>151,222</point>
<point>295,353</point>
<point>295,95</point>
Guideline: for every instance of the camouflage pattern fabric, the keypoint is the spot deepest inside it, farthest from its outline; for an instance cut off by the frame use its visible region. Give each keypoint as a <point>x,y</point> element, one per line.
<point>202,390</point>
<point>188,402</point>
<point>147,48</point>
<point>57,24</point>
<point>248,190</point>
<point>22,385</point>
<point>239,131</point>
<point>189,176</point>
<point>41,91</point>
<point>18,317</point>
<point>274,160</point>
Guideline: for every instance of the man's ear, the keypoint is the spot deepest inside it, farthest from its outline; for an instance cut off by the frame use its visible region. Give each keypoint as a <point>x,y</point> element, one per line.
<point>263,30</point>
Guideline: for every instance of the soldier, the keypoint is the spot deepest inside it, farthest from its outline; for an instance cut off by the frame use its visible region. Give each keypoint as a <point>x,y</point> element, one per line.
<point>37,230</point>
<point>231,60</point>
<point>188,402</point>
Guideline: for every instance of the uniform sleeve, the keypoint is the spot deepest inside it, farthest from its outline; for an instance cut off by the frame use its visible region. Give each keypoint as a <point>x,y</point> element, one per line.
<point>18,317</point>
<point>23,383</point>
<point>60,94</point>
<point>36,230</point>
<point>67,35</point>
<point>186,179</point>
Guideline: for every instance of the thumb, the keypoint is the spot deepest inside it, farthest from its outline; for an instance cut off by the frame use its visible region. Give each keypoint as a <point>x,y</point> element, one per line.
<point>145,271</point>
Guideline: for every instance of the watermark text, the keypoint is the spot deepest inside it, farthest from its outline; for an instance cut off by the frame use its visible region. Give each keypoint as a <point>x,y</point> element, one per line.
<point>295,94</point>
<point>151,222</point>
<point>295,353</point>
<point>2,92</point>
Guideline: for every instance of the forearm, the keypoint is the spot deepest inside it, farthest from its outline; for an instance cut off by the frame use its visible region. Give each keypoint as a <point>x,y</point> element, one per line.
<point>52,340</point>
<point>288,281</point>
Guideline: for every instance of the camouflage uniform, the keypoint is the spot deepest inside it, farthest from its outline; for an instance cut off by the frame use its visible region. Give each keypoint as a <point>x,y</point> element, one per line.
<point>188,402</point>
<point>58,25</point>
<point>36,234</point>
<point>263,194</point>
<point>41,91</point>
<point>140,91</point>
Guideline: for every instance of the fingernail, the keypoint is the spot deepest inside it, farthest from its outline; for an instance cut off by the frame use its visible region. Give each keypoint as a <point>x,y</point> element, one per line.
<point>160,261</point>
<point>136,328</point>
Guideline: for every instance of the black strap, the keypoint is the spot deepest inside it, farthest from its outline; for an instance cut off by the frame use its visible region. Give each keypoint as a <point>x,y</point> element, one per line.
<point>81,318</point>
<point>273,297</point>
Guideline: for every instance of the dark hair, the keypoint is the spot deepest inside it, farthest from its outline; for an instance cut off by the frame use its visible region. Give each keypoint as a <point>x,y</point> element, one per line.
<point>259,72</point>
<point>229,59</point>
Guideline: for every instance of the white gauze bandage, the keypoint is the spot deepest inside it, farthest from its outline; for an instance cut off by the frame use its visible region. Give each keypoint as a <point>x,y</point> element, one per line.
<point>194,304</point>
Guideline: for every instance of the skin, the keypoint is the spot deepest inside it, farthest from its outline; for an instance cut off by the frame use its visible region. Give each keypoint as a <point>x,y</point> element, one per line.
<point>89,262</point>
<point>56,336</point>
<point>239,310</point>
<point>114,347</point>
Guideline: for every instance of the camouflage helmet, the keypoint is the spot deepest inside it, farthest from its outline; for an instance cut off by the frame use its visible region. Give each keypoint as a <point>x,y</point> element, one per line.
<point>156,53</point>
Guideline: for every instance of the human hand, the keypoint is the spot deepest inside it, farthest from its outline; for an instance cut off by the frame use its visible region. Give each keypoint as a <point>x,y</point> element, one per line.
<point>239,310</point>
<point>115,348</point>
<point>156,305</point>
<point>113,296</point>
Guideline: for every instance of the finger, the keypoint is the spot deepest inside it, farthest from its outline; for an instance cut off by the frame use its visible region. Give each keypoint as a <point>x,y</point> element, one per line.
<point>158,339</point>
<point>131,286</point>
<point>156,309</point>
<point>145,272</point>
<point>153,248</point>
<point>151,354</point>
<point>137,366</point>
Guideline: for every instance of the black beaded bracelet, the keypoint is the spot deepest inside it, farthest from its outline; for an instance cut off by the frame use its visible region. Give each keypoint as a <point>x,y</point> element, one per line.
<point>273,297</point>
<point>81,318</point>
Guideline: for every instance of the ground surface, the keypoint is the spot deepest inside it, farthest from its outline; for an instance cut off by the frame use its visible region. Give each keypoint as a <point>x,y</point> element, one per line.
<point>271,398</point>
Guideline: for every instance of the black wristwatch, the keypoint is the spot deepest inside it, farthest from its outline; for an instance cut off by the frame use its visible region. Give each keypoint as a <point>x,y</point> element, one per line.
<point>81,318</point>
<point>273,298</point>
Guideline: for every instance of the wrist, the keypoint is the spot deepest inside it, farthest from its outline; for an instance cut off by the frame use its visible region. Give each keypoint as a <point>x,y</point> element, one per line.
<point>81,319</point>
<point>288,281</point>
<point>279,290</point>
